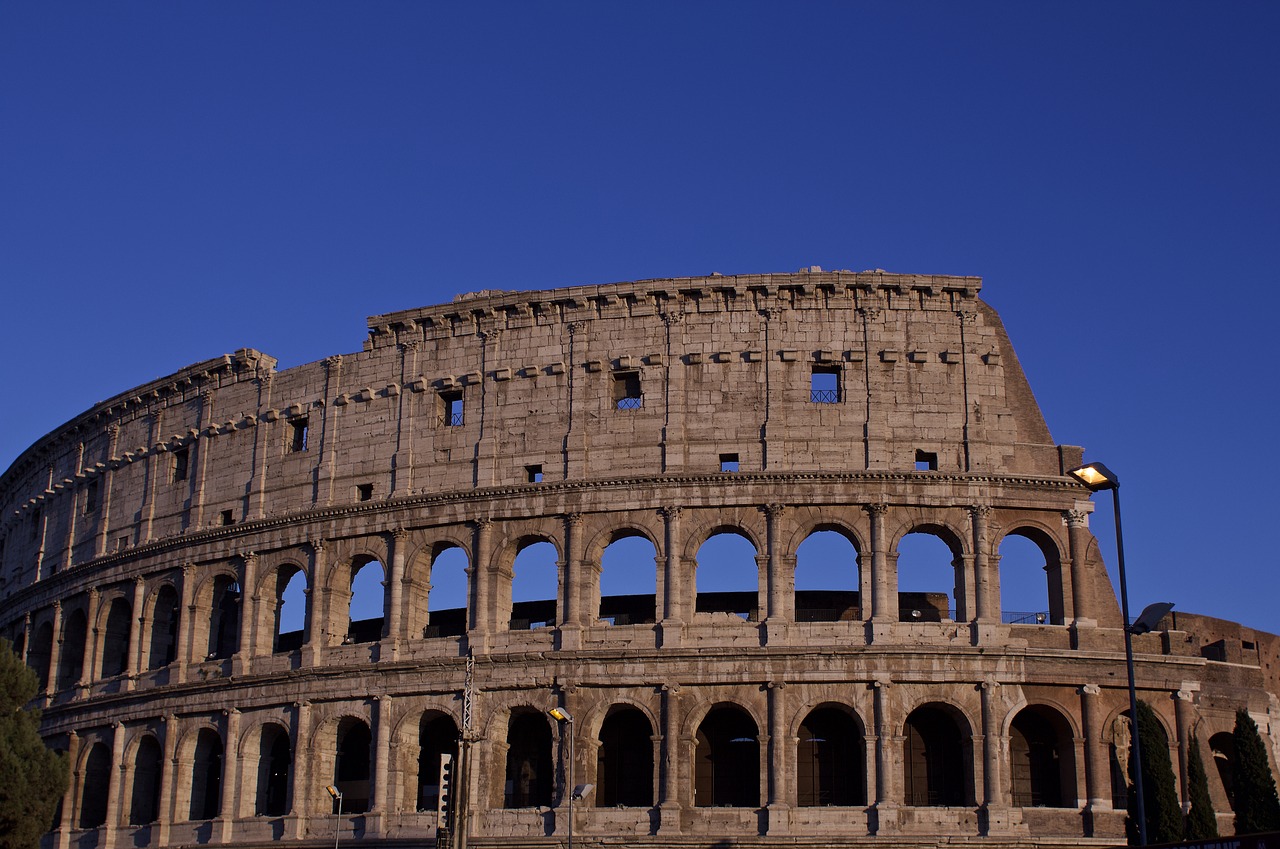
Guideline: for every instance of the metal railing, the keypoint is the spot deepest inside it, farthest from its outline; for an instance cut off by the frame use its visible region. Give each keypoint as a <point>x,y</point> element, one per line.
<point>631,403</point>
<point>453,419</point>
<point>824,396</point>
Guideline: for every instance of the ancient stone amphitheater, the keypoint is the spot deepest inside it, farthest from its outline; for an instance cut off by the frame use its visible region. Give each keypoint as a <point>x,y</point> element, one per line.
<point>180,564</point>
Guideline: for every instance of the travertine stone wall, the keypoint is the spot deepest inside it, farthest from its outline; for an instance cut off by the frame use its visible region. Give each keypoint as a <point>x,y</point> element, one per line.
<point>146,544</point>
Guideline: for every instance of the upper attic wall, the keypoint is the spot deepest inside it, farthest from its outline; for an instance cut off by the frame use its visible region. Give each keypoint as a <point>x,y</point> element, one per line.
<point>719,367</point>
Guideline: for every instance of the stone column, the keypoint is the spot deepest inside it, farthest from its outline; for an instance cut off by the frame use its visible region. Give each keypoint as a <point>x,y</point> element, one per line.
<point>133,662</point>
<point>89,669</point>
<point>148,511</point>
<point>393,628</point>
<point>1097,763</point>
<point>104,511</point>
<point>780,603</point>
<point>200,462</point>
<point>26,637</point>
<point>115,787</point>
<point>780,764</point>
<point>186,621</point>
<point>246,648</point>
<point>1084,615</point>
<point>317,624</point>
<point>481,588</point>
<point>884,577</point>
<point>301,791</point>
<point>994,793</point>
<point>168,781</point>
<point>986,576</point>
<point>381,764</point>
<point>402,460</point>
<point>230,776</point>
<point>329,430</point>
<point>571,570</point>
<point>69,797</point>
<point>669,795</point>
<point>672,626</point>
<point>887,741</point>
<point>1184,707</point>
<point>55,651</point>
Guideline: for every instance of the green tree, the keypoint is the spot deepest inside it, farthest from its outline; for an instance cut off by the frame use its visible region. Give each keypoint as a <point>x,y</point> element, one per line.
<point>34,777</point>
<point>1164,813</point>
<point>1202,823</point>
<point>1257,806</point>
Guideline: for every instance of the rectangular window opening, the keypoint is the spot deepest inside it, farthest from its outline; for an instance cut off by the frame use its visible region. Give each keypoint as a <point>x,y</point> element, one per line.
<point>228,517</point>
<point>926,461</point>
<point>181,459</point>
<point>35,524</point>
<point>626,390</point>
<point>451,408</point>
<point>728,462</point>
<point>824,385</point>
<point>298,440</point>
<point>534,473</point>
<point>364,491</point>
<point>122,542</point>
<point>91,497</point>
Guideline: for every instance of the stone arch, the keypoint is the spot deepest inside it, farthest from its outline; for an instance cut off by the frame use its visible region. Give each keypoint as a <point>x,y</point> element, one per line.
<point>216,623</point>
<point>1120,736</point>
<point>530,597</point>
<point>528,777</point>
<point>624,769</point>
<point>1222,746</point>
<point>937,756</point>
<point>436,734</point>
<point>95,782</point>
<point>1054,592</point>
<point>353,763</point>
<point>286,590</point>
<point>364,604</point>
<point>718,568</point>
<point>147,769</point>
<point>447,600</point>
<point>625,545</point>
<point>934,597</point>
<point>1042,769</point>
<point>71,655</point>
<point>207,764</point>
<point>40,654</point>
<point>116,630</point>
<point>726,758</point>
<point>274,757</point>
<point>830,757</point>
<point>825,545</point>
<point>163,621</point>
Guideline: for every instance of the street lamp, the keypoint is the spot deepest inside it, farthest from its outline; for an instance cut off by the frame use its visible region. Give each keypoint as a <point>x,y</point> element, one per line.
<point>337,818</point>
<point>563,717</point>
<point>1098,477</point>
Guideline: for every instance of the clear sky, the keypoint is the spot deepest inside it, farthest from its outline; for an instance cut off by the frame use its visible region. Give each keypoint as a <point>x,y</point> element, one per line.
<point>178,180</point>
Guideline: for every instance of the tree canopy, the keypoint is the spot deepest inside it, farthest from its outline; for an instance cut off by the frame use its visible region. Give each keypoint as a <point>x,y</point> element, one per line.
<point>1257,807</point>
<point>1202,822</point>
<point>34,777</point>
<point>1164,813</point>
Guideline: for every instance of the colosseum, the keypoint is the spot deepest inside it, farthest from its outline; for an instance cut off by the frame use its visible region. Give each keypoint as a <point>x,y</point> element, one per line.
<point>278,606</point>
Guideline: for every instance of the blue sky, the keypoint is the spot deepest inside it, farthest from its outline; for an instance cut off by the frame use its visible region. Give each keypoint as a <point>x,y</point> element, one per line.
<point>181,180</point>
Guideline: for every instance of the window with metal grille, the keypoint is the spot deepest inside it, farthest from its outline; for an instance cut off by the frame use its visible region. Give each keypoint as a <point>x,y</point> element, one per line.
<point>824,385</point>
<point>181,462</point>
<point>451,408</point>
<point>298,434</point>
<point>626,390</point>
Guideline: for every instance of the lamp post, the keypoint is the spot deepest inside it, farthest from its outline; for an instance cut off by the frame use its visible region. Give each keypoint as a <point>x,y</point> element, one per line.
<point>337,818</point>
<point>1098,477</point>
<point>563,717</point>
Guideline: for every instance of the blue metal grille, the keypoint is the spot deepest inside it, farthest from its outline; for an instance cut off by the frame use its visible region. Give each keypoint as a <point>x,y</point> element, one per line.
<point>631,403</point>
<point>824,396</point>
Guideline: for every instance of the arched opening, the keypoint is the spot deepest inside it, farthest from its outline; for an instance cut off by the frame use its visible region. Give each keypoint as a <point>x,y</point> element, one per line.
<point>437,735</point>
<point>291,608</point>
<point>935,765</point>
<point>1121,744</point>
<point>727,577</point>
<point>1041,760</point>
<point>827,578</point>
<point>829,759</point>
<point>368,603</point>
<point>71,663</point>
<point>1223,747</point>
<point>206,776</point>
<point>624,761</point>
<point>928,578</point>
<point>40,654</point>
<point>354,765</point>
<point>628,581</point>
<point>275,762</point>
<point>224,623</point>
<point>115,645</point>
<point>447,598</point>
<point>148,763</point>
<point>534,583</point>
<point>727,760</point>
<point>94,784</point>
<point>164,628</point>
<point>1030,579</point>
<point>529,777</point>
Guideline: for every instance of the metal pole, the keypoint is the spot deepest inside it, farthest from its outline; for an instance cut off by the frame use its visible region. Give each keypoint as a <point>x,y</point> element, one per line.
<point>569,725</point>
<point>1133,692</point>
<point>337,823</point>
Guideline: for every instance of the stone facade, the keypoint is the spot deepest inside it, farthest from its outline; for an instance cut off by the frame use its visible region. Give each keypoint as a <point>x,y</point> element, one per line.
<point>147,547</point>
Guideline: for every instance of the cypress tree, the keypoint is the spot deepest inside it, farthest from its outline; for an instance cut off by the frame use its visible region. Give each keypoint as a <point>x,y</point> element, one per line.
<point>1257,806</point>
<point>1164,813</point>
<point>1202,823</point>
<point>34,778</point>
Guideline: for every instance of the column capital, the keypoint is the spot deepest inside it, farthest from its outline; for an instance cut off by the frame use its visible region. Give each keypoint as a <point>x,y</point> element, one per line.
<point>876,510</point>
<point>573,520</point>
<point>409,345</point>
<point>773,511</point>
<point>869,313</point>
<point>399,533</point>
<point>1090,690</point>
<point>670,511</point>
<point>1076,518</point>
<point>317,545</point>
<point>980,511</point>
<point>482,523</point>
<point>333,363</point>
